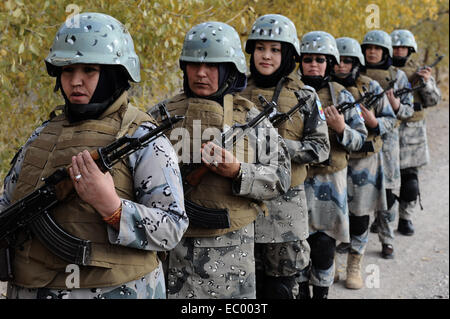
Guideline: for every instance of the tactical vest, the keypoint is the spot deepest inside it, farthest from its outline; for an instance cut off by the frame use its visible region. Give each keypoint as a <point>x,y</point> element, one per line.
<point>338,158</point>
<point>357,91</point>
<point>291,130</point>
<point>383,77</point>
<point>410,69</point>
<point>110,265</point>
<point>215,191</point>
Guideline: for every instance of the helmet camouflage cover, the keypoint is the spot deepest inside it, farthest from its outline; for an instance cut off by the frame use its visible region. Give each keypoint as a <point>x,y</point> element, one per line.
<point>213,42</point>
<point>93,38</point>
<point>320,42</point>
<point>350,47</point>
<point>403,38</point>
<point>274,27</point>
<point>378,37</point>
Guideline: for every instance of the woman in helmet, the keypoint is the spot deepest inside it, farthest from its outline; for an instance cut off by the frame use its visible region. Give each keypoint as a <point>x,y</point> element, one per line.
<point>93,63</point>
<point>218,262</point>
<point>377,51</point>
<point>326,183</point>
<point>413,154</point>
<point>365,167</point>
<point>281,249</point>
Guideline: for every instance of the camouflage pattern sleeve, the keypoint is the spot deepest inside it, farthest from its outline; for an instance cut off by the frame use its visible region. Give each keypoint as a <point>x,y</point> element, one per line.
<point>355,132</point>
<point>406,109</point>
<point>315,145</point>
<point>431,95</point>
<point>156,220</point>
<point>270,175</point>
<point>10,181</point>
<point>383,111</point>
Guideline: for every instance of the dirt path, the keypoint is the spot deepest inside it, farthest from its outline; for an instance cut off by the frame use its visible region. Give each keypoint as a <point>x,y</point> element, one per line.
<point>421,265</point>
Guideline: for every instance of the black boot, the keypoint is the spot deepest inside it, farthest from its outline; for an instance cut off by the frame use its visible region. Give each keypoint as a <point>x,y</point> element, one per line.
<point>303,290</point>
<point>374,226</point>
<point>279,287</point>
<point>405,227</point>
<point>320,292</point>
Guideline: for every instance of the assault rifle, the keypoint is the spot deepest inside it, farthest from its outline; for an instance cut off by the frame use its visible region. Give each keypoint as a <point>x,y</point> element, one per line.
<point>193,173</point>
<point>32,213</point>
<point>416,78</point>
<point>212,218</point>
<point>435,62</point>
<point>279,118</point>
<point>368,99</point>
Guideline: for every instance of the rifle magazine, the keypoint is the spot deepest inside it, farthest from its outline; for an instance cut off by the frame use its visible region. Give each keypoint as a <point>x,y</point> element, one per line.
<point>64,245</point>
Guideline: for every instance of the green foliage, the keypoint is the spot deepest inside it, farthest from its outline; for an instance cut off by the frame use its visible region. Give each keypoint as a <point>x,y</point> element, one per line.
<point>27,29</point>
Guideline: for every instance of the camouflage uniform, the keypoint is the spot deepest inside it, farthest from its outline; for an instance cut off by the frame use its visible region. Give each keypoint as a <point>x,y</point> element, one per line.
<point>162,233</point>
<point>326,186</point>
<point>280,237</point>
<point>365,176</point>
<point>413,138</point>
<point>223,266</point>
<point>391,147</point>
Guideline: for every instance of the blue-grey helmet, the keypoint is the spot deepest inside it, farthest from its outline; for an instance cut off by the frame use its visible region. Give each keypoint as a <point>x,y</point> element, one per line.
<point>320,42</point>
<point>273,27</point>
<point>213,42</point>
<point>350,47</point>
<point>403,38</point>
<point>93,38</point>
<point>378,37</point>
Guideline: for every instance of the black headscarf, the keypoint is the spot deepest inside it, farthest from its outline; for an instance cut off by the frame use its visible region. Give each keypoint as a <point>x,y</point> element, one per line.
<point>112,82</point>
<point>287,65</point>
<point>230,81</point>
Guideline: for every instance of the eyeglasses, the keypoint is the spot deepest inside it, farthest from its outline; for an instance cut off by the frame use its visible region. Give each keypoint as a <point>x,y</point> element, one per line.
<point>311,59</point>
<point>347,60</point>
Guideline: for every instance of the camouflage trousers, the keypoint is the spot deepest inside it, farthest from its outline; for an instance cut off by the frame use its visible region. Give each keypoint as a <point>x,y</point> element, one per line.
<point>282,259</point>
<point>220,267</point>
<point>151,286</point>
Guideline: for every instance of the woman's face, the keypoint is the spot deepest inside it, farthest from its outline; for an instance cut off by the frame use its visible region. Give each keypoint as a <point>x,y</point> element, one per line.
<point>79,82</point>
<point>401,51</point>
<point>373,54</point>
<point>203,78</point>
<point>267,56</point>
<point>314,64</point>
<point>345,65</point>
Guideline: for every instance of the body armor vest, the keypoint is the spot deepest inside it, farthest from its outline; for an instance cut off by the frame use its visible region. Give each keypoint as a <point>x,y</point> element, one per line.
<point>410,69</point>
<point>110,264</point>
<point>357,91</point>
<point>215,191</point>
<point>338,158</point>
<point>291,130</point>
<point>382,77</point>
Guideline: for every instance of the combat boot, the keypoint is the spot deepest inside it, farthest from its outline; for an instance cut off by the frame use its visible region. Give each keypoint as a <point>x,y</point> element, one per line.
<point>303,290</point>
<point>405,227</point>
<point>320,292</point>
<point>374,226</point>
<point>354,279</point>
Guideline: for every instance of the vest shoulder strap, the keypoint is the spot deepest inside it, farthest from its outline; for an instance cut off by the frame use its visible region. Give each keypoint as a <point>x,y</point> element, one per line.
<point>363,82</point>
<point>131,120</point>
